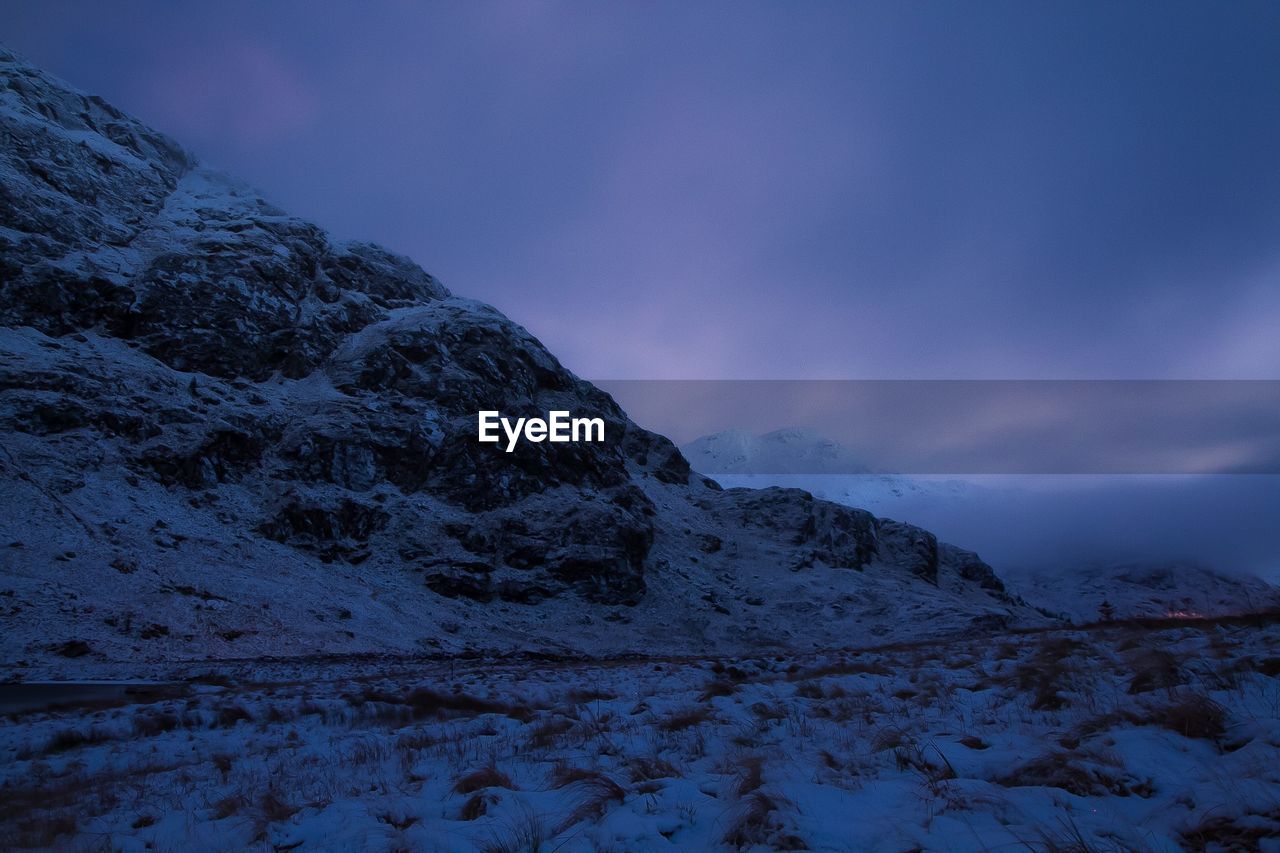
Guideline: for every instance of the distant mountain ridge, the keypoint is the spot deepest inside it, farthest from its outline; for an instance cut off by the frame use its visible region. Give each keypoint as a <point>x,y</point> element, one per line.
<point>800,458</point>
<point>785,451</point>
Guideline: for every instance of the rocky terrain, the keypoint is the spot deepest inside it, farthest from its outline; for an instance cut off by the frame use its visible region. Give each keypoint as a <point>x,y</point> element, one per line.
<point>1151,589</point>
<point>227,434</point>
<point>1120,737</point>
<point>243,511</point>
<point>1064,543</point>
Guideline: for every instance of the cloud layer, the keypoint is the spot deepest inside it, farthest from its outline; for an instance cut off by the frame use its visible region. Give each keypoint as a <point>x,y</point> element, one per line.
<point>759,190</point>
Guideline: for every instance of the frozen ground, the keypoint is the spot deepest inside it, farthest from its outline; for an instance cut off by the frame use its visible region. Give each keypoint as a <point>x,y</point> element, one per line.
<point>1128,736</point>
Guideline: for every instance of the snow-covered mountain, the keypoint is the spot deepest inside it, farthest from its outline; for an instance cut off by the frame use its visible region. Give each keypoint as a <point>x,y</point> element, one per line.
<point>802,458</point>
<point>784,451</point>
<point>227,434</point>
<point>1022,517</point>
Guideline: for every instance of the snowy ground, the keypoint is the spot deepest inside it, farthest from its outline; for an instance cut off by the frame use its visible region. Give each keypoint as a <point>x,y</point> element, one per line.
<point>1124,737</point>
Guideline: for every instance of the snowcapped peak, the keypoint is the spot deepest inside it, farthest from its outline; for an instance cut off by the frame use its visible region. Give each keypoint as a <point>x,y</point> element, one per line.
<point>791,450</point>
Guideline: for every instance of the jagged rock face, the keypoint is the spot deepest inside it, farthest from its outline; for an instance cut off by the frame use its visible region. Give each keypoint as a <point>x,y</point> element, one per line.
<point>80,179</point>
<point>823,532</point>
<point>971,568</point>
<point>170,339</point>
<point>597,547</point>
<point>913,548</point>
<point>113,228</point>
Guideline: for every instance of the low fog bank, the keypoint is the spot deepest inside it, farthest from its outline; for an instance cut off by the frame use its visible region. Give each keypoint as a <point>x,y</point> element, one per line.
<point>1051,523</point>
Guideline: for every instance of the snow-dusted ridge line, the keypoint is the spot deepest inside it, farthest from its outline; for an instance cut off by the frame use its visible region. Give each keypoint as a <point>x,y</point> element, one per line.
<point>228,435</point>
<point>1071,585</point>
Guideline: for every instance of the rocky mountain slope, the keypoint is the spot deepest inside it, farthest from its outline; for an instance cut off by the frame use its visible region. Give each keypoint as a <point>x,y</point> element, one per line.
<point>1030,516</point>
<point>227,434</point>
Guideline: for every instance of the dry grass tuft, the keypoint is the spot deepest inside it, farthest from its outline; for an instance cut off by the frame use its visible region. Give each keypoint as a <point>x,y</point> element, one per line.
<point>889,737</point>
<point>272,808</point>
<point>485,777</point>
<point>643,769</point>
<point>547,732</point>
<point>1050,668</point>
<point>842,667</point>
<point>230,715</point>
<point>1065,770</point>
<point>912,756</point>
<point>1193,716</point>
<point>152,724</point>
<point>425,703</point>
<point>750,775</point>
<point>525,833</point>
<point>422,702</point>
<point>769,712</point>
<point>416,740</point>
<point>1154,669</point>
<point>754,825</point>
<point>68,739</point>
<point>593,791</point>
<point>476,806</point>
<point>684,718</point>
<point>232,804</point>
<point>822,690</point>
<point>1231,833</point>
<point>565,774</point>
<point>717,687</point>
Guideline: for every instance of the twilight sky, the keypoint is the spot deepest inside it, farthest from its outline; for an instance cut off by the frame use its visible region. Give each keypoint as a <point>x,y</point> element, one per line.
<point>758,190</point>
